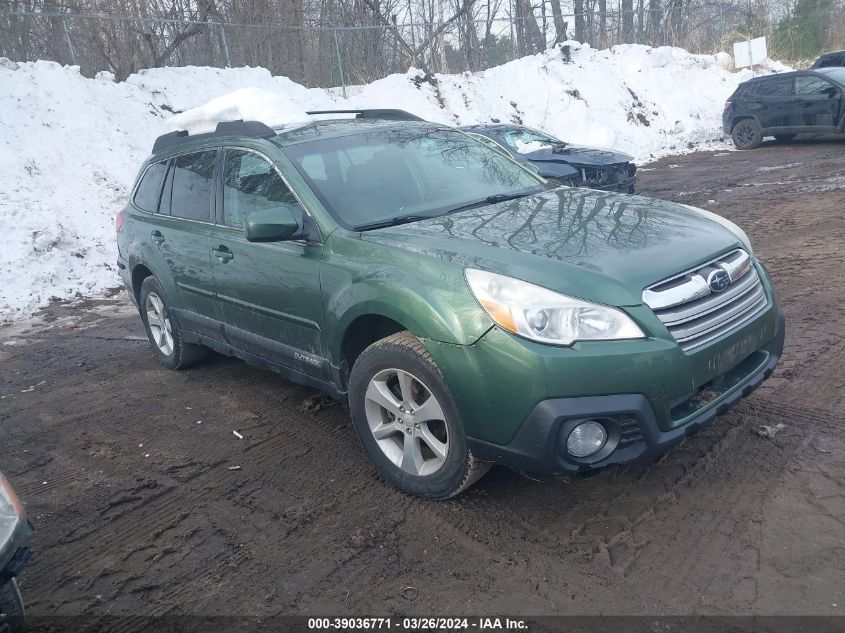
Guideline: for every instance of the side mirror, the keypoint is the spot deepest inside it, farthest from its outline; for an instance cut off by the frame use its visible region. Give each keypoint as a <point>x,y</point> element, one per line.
<point>831,91</point>
<point>270,225</point>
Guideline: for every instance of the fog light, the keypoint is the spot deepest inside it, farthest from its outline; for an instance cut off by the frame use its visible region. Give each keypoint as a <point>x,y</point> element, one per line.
<point>586,438</point>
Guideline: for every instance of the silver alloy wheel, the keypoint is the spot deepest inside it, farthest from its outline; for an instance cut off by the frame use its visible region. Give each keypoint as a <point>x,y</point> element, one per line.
<point>159,324</point>
<point>407,422</point>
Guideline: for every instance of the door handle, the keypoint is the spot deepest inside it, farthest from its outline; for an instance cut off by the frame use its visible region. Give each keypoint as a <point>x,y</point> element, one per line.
<point>223,254</point>
<point>158,238</point>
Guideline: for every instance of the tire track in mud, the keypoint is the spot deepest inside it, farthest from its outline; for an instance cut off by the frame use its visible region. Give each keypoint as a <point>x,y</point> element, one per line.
<point>348,456</point>
<point>68,476</point>
<point>726,494</point>
<point>159,510</point>
<point>711,470</point>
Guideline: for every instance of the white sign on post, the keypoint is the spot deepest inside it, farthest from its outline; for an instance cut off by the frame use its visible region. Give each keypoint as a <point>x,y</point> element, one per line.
<point>750,53</point>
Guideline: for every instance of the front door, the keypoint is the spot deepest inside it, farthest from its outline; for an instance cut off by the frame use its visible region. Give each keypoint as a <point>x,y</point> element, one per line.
<point>269,292</point>
<point>817,104</point>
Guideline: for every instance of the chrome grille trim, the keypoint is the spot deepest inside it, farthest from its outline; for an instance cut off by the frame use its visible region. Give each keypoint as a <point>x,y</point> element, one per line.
<point>710,322</point>
<point>689,285</point>
<point>694,314</point>
<point>712,302</point>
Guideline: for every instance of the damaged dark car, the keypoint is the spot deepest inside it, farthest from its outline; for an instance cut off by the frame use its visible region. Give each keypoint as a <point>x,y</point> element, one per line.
<point>558,161</point>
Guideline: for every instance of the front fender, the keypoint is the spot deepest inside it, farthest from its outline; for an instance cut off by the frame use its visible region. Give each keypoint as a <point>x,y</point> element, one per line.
<point>426,295</point>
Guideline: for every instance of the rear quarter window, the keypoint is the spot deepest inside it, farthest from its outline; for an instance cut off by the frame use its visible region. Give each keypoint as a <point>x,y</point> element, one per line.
<point>771,88</point>
<point>149,189</point>
<point>192,185</point>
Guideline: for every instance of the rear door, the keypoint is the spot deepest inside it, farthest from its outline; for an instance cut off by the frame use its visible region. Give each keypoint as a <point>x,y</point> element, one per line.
<point>269,292</point>
<point>771,101</point>
<point>817,104</point>
<point>181,233</point>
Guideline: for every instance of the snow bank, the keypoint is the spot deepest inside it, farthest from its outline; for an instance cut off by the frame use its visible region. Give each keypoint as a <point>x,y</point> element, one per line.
<point>70,146</point>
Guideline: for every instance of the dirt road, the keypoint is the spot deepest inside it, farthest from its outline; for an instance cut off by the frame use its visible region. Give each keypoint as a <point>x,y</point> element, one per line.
<point>146,502</point>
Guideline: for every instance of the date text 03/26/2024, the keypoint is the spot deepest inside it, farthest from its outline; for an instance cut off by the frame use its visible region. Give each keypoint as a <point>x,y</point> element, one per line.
<point>417,624</point>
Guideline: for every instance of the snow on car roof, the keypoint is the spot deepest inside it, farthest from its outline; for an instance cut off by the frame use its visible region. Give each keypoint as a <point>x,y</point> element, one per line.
<point>248,104</point>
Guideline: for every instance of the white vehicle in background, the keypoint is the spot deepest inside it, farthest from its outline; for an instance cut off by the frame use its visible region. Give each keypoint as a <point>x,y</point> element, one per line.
<point>15,531</point>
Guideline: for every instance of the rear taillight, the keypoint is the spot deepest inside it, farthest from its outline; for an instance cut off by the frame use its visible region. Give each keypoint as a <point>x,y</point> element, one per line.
<point>727,105</point>
<point>118,222</point>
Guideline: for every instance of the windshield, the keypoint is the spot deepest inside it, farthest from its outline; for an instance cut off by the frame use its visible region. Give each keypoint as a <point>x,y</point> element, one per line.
<point>837,74</point>
<point>386,175</point>
<point>526,141</point>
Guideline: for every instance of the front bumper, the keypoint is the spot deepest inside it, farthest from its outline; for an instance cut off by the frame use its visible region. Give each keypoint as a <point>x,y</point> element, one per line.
<point>629,185</point>
<point>633,430</point>
<point>11,602</point>
<point>518,399</point>
<point>15,553</point>
<point>12,618</point>
<point>622,178</point>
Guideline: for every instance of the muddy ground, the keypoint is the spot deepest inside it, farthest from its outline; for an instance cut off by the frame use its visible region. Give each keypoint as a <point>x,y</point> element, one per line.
<point>127,469</point>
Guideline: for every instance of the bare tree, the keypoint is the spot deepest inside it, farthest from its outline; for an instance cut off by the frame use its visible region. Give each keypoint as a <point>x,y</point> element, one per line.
<point>324,42</point>
<point>560,25</point>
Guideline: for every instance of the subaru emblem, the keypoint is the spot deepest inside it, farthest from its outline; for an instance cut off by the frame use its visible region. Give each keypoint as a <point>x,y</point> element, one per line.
<point>718,280</point>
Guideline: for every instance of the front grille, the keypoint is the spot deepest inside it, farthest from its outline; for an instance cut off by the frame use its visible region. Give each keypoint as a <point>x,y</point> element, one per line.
<point>604,176</point>
<point>595,177</point>
<point>696,314</point>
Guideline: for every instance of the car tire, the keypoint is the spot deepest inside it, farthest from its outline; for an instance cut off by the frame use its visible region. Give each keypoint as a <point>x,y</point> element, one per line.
<point>163,331</point>
<point>747,134</point>
<point>408,422</point>
<point>11,608</point>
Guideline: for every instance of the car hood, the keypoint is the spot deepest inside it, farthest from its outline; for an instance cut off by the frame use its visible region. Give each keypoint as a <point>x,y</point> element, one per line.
<point>578,155</point>
<point>600,246</point>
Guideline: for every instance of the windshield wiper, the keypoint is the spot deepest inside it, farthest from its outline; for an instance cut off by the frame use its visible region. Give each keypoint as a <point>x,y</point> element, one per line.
<point>403,219</point>
<point>399,219</point>
<point>502,197</point>
<point>496,197</point>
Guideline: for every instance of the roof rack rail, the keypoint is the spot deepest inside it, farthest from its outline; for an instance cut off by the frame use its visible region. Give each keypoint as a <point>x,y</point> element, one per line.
<point>385,114</point>
<point>251,129</point>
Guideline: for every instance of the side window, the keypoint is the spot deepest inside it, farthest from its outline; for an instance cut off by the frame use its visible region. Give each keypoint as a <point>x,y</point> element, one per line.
<point>251,183</point>
<point>773,88</point>
<point>146,196</point>
<point>192,178</point>
<point>806,85</point>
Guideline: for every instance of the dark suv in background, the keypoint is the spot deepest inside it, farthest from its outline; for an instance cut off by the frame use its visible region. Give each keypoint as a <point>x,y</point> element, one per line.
<point>785,105</point>
<point>830,60</point>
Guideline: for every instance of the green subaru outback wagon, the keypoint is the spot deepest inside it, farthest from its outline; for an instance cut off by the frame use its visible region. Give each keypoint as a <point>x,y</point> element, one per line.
<point>464,311</point>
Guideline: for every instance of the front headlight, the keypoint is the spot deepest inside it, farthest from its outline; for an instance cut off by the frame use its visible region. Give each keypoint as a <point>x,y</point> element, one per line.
<point>545,316</point>
<point>11,512</point>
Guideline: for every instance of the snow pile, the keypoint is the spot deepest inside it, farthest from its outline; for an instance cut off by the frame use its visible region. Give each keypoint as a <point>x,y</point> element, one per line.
<point>70,147</point>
